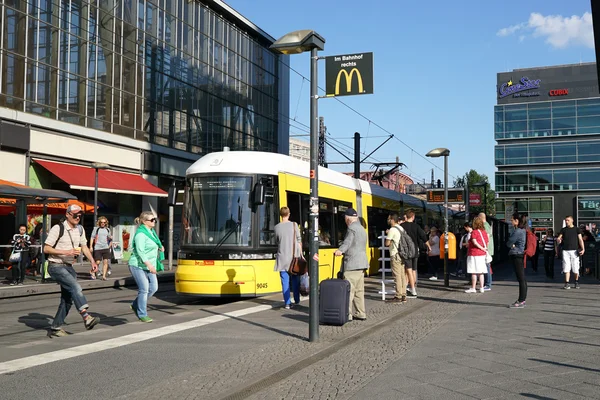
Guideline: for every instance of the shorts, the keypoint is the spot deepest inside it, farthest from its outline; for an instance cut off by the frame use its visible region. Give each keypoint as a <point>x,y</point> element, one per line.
<point>570,261</point>
<point>103,254</point>
<point>411,263</point>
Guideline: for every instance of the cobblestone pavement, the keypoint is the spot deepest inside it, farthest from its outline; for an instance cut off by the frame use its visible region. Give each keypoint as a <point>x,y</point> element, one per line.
<point>329,374</point>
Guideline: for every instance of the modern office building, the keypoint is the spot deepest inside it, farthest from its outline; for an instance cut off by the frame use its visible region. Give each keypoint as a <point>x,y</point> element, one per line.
<point>547,129</point>
<point>146,87</point>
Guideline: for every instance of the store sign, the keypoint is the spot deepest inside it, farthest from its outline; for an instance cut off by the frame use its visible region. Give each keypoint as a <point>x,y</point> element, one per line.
<point>559,92</point>
<point>589,205</point>
<point>474,199</point>
<point>349,74</point>
<point>522,89</point>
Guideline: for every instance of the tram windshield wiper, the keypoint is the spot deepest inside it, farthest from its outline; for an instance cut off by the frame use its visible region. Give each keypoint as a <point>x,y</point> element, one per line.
<point>224,238</point>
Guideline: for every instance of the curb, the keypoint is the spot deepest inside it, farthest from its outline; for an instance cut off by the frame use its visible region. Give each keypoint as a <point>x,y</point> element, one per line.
<point>49,288</point>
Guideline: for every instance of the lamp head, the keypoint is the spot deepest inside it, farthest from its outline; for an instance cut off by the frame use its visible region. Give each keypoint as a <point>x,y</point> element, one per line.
<point>298,42</point>
<point>439,152</point>
<point>99,165</point>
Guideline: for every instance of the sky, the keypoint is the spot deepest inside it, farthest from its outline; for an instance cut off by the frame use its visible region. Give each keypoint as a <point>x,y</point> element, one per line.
<point>435,66</point>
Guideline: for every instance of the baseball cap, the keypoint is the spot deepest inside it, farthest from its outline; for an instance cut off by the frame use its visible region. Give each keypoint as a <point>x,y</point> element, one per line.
<point>74,209</point>
<point>350,212</point>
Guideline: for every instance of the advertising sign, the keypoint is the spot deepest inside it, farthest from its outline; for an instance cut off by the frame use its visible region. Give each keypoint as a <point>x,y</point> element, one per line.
<point>349,74</point>
<point>474,199</point>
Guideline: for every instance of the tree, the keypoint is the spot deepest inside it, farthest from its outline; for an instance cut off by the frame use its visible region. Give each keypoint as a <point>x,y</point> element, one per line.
<point>478,183</point>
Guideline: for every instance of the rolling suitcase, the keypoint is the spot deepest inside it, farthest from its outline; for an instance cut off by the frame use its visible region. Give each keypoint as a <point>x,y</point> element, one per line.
<point>334,300</point>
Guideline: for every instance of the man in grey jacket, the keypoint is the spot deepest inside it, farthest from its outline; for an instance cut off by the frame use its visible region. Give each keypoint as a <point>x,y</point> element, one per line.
<point>354,248</point>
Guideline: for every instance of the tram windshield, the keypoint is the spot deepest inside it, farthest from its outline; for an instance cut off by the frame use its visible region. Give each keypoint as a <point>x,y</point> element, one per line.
<point>217,211</point>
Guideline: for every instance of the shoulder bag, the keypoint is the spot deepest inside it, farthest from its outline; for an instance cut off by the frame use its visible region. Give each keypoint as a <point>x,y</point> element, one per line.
<point>488,257</point>
<point>298,265</point>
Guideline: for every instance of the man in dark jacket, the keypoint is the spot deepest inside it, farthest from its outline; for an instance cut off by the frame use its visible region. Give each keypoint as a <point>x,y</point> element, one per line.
<point>418,236</point>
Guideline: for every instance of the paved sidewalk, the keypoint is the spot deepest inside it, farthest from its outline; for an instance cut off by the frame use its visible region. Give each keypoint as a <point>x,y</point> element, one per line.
<point>119,277</point>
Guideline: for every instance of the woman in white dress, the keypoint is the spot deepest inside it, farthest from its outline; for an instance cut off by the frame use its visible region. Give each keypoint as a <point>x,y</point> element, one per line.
<point>476,253</point>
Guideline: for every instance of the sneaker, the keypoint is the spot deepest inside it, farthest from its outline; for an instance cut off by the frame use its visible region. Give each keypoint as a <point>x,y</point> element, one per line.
<point>471,290</point>
<point>433,278</point>
<point>134,310</point>
<point>109,271</point>
<point>13,283</point>
<point>567,286</point>
<point>21,284</point>
<point>487,288</point>
<point>395,300</point>
<point>359,318</point>
<point>91,322</point>
<point>287,306</point>
<point>92,276</point>
<point>146,319</point>
<point>52,333</point>
<point>577,285</point>
<point>517,304</point>
<point>411,295</point>
<point>481,290</point>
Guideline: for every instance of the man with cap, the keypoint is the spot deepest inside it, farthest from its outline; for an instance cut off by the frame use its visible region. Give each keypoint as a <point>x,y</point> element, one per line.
<point>63,244</point>
<point>354,247</point>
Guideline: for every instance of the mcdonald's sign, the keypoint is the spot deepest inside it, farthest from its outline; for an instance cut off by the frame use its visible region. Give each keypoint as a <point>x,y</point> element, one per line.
<point>349,74</point>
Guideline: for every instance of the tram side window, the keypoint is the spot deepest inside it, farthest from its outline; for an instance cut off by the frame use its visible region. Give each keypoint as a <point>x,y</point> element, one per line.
<point>326,223</point>
<point>377,222</point>
<point>341,227</point>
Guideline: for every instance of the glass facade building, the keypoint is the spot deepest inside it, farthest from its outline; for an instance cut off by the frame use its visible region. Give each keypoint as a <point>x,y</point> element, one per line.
<point>547,129</point>
<point>175,73</point>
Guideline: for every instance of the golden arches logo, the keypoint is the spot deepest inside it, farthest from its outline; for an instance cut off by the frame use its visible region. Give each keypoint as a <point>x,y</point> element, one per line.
<point>348,80</point>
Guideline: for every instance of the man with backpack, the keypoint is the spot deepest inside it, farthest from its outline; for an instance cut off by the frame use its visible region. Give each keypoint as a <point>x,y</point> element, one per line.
<point>419,238</point>
<point>401,248</point>
<point>100,243</point>
<point>65,241</point>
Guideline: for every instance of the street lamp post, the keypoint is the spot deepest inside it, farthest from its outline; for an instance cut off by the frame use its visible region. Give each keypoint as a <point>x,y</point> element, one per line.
<point>96,167</point>
<point>295,43</point>
<point>442,152</point>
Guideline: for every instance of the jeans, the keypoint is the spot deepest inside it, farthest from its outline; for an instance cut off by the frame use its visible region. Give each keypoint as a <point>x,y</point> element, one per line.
<point>434,265</point>
<point>70,292</point>
<point>488,275</point>
<point>18,269</point>
<point>518,261</point>
<point>549,263</point>
<point>286,279</point>
<point>147,284</point>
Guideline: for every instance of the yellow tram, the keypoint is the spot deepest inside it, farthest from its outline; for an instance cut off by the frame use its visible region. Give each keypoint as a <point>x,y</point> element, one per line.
<point>231,206</point>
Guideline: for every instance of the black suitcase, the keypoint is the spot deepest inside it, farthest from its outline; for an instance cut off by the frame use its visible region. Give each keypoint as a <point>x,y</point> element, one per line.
<point>334,301</point>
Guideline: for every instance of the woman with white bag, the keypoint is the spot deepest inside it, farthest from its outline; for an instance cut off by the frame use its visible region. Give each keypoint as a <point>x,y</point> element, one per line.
<point>476,255</point>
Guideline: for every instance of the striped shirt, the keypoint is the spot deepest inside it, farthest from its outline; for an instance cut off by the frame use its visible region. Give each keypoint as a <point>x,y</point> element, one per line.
<point>549,243</point>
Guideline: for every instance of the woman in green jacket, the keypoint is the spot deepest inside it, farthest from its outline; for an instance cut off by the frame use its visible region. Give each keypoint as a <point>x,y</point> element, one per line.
<point>145,261</point>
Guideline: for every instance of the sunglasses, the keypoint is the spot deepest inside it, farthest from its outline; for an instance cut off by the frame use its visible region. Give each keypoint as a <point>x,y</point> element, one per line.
<point>151,220</point>
<point>76,216</point>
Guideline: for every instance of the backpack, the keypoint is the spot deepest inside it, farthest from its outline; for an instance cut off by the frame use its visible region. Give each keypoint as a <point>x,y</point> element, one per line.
<point>61,231</point>
<point>406,247</point>
<point>531,244</point>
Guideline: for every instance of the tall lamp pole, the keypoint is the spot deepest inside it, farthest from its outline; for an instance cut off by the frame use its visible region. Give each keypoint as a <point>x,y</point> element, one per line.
<point>295,43</point>
<point>442,152</point>
<point>96,167</point>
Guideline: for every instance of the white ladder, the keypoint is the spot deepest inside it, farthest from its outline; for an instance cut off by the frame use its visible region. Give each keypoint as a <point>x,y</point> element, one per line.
<point>383,269</point>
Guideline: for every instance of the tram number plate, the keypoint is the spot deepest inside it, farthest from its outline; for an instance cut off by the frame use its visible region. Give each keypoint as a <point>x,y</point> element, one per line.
<point>261,285</point>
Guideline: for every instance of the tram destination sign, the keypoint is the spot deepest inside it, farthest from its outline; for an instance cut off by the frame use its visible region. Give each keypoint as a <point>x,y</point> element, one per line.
<point>436,196</point>
<point>349,74</point>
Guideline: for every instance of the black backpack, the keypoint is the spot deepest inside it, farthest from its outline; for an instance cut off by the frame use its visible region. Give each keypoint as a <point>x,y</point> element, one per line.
<point>406,247</point>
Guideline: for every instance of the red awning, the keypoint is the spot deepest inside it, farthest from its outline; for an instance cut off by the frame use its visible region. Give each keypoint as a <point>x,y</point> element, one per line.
<point>83,178</point>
